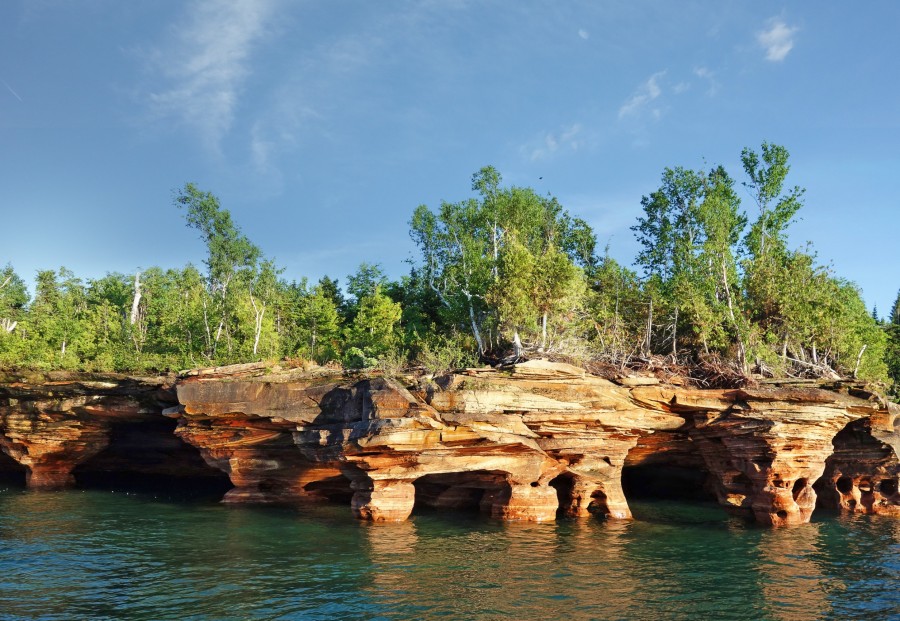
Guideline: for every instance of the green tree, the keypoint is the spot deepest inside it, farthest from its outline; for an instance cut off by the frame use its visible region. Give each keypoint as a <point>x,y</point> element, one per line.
<point>892,347</point>
<point>688,233</point>
<point>13,299</point>
<point>372,333</point>
<point>57,317</point>
<point>229,253</point>
<point>480,258</point>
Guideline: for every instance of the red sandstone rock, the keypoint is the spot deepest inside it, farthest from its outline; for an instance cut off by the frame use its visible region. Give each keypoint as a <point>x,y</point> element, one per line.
<point>863,474</point>
<point>50,423</point>
<point>519,443</point>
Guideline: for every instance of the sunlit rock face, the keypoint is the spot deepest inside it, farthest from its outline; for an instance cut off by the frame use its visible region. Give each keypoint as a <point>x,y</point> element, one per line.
<point>50,423</point>
<point>862,475</point>
<point>765,447</point>
<point>528,442</point>
<point>511,443</point>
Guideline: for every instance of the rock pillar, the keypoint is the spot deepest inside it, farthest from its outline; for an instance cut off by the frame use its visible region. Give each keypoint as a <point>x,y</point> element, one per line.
<point>765,465</point>
<point>586,496</point>
<point>534,502</point>
<point>50,445</point>
<point>382,500</point>
<point>863,474</point>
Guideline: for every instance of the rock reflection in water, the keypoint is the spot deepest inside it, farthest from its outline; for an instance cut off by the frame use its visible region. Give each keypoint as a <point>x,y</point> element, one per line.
<point>90,555</point>
<point>791,580</point>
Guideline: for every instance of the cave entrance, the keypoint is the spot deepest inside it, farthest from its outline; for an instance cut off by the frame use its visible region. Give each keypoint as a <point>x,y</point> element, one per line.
<point>331,487</point>
<point>145,455</point>
<point>663,481</point>
<point>460,491</point>
<point>666,479</point>
<point>12,473</point>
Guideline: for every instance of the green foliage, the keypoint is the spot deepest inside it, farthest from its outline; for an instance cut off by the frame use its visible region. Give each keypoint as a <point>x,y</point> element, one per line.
<point>319,325</point>
<point>441,354</point>
<point>372,333</point>
<point>892,347</point>
<point>503,267</point>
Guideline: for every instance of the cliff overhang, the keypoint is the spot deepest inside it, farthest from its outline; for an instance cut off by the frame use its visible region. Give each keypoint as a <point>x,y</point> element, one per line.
<point>526,442</point>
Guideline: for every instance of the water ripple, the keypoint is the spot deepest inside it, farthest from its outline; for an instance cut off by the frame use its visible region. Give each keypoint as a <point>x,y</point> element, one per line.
<point>97,555</point>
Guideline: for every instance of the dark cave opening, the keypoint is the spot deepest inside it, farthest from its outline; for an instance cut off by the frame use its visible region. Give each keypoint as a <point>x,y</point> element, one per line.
<point>662,481</point>
<point>459,491</point>
<point>12,473</point>
<point>146,456</point>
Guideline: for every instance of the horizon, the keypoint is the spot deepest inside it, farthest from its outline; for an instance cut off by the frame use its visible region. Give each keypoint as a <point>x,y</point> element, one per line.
<point>322,127</point>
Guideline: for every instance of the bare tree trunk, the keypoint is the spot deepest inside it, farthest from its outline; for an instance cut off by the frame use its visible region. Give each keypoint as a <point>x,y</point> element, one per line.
<point>742,350</point>
<point>209,345</point>
<point>675,334</point>
<point>259,311</point>
<point>136,300</point>
<point>859,360</point>
<point>517,344</point>
<point>544,330</point>
<point>475,331</point>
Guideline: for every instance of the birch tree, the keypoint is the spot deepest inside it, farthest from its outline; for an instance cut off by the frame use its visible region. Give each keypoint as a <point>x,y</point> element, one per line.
<point>228,253</point>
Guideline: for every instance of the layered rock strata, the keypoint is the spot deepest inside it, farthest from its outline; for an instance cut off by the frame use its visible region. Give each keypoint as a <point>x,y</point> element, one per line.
<point>52,423</point>
<point>863,474</point>
<point>765,447</point>
<point>527,442</point>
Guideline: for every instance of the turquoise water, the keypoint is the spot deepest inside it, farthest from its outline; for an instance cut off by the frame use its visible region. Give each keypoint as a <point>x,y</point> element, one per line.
<point>103,555</point>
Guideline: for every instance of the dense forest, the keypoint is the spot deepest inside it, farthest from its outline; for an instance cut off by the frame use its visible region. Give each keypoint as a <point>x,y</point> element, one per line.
<point>504,274</point>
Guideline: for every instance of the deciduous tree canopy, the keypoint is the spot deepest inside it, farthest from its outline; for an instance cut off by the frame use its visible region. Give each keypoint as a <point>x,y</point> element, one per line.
<point>503,273</point>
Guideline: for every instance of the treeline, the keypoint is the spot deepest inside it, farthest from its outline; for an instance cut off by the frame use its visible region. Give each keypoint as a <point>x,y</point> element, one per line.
<point>502,274</point>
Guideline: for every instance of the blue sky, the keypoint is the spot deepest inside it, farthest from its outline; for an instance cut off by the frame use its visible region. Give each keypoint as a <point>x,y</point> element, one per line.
<point>322,125</point>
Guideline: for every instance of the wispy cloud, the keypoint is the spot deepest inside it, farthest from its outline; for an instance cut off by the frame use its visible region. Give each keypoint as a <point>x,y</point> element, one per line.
<point>646,93</point>
<point>777,39</point>
<point>10,89</point>
<point>205,63</point>
<point>705,73</point>
<point>584,34</point>
<point>568,138</point>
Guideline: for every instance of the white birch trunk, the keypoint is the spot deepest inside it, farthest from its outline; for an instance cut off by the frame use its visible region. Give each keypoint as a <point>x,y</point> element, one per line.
<point>136,301</point>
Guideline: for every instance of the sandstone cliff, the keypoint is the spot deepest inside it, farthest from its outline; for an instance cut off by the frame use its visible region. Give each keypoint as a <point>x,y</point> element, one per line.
<point>527,442</point>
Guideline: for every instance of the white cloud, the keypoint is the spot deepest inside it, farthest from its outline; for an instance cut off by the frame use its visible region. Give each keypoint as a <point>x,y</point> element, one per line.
<point>205,64</point>
<point>645,93</point>
<point>777,39</point>
<point>584,34</point>
<point>704,73</point>
<point>551,142</point>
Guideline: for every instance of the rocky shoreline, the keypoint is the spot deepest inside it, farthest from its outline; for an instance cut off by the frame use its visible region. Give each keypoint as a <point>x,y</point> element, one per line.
<point>532,441</point>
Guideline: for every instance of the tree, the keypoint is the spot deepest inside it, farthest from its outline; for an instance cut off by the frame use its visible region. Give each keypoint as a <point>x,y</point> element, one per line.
<point>229,253</point>
<point>892,347</point>
<point>689,232</point>
<point>372,333</point>
<point>478,257</point>
<point>13,299</point>
<point>320,324</point>
<point>369,277</point>
<point>57,317</point>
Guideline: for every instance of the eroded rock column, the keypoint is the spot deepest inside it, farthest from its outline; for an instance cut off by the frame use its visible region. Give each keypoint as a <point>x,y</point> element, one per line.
<point>583,496</point>
<point>766,458</point>
<point>863,474</point>
<point>382,500</point>
<point>527,502</point>
<point>50,444</point>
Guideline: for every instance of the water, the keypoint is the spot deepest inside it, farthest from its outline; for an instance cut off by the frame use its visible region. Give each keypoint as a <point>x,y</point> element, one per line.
<point>103,555</point>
